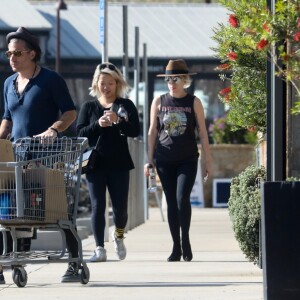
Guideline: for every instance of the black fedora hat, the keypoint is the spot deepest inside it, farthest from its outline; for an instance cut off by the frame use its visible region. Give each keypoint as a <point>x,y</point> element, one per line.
<point>24,34</point>
<point>176,68</point>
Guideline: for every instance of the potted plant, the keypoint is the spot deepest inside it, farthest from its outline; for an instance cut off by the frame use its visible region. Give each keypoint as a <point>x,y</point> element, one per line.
<point>253,35</point>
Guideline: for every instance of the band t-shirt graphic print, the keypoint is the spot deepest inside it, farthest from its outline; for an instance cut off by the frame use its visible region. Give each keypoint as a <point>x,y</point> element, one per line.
<point>175,122</point>
<point>176,129</point>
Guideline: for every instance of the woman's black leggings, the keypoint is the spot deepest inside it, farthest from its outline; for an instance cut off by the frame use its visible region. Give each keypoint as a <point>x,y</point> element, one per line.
<point>117,183</point>
<point>177,181</point>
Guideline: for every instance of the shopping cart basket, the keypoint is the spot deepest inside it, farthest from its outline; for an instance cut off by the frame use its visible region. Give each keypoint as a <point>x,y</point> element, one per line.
<point>40,190</point>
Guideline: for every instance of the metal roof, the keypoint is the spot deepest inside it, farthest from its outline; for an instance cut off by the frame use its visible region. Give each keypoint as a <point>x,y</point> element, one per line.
<point>16,13</point>
<point>169,30</point>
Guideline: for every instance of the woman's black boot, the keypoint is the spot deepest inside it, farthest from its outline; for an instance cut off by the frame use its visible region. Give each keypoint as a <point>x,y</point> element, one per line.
<point>176,254</point>
<point>187,250</point>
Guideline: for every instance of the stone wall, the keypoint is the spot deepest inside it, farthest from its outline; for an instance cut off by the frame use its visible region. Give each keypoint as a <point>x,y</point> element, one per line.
<point>228,160</point>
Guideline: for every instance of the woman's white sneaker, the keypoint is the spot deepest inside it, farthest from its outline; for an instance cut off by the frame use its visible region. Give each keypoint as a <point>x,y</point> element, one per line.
<point>119,246</point>
<point>100,255</point>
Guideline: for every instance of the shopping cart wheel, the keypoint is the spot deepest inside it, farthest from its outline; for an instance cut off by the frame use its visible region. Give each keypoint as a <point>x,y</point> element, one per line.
<point>19,276</point>
<point>84,274</point>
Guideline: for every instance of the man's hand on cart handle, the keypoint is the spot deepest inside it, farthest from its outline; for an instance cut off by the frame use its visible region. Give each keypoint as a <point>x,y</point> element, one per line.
<point>49,133</point>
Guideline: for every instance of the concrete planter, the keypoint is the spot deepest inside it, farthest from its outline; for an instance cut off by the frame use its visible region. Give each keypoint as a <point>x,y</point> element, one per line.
<point>228,160</point>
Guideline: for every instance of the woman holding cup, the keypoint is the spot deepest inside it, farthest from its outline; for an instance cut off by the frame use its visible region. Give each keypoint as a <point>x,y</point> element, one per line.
<point>99,120</point>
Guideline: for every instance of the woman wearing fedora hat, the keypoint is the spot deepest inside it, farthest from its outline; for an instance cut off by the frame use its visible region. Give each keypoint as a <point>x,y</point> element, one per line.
<point>172,141</point>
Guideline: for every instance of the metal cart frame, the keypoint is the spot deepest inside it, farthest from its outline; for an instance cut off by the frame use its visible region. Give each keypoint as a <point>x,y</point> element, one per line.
<point>40,190</point>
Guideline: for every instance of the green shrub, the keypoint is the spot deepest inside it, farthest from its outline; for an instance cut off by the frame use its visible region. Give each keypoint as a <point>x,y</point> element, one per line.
<point>244,209</point>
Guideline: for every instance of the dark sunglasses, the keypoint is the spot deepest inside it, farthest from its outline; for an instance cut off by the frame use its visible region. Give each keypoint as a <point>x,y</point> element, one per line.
<point>109,66</point>
<point>173,79</point>
<point>16,53</point>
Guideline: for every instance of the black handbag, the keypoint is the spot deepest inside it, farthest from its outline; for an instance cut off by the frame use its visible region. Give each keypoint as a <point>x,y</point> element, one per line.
<point>90,157</point>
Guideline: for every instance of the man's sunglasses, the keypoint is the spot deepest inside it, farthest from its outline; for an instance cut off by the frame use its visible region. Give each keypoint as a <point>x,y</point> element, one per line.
<point>173,79</point>
<point>16,53</point>
<point>109,66</point>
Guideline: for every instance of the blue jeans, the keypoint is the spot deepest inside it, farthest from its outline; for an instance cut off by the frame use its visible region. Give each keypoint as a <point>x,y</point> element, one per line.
<point>177,181</point>
<point>117,183</point>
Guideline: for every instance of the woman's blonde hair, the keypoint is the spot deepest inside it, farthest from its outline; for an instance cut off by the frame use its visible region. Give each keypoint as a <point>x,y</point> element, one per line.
<point>109,68</point>
<point>188,81</point>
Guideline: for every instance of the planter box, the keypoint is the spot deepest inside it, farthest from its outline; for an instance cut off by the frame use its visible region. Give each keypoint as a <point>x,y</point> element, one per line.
<point>280,240</point>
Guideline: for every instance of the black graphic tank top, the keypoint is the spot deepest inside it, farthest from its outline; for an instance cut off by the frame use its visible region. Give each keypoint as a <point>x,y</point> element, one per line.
<point>176,129</point>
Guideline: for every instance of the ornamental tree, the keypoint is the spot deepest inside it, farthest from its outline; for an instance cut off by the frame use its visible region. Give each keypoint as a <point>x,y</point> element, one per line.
<point>250,37</point>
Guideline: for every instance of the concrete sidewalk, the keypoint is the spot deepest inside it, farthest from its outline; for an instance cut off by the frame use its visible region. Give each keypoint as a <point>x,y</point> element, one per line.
<point>218,271</point>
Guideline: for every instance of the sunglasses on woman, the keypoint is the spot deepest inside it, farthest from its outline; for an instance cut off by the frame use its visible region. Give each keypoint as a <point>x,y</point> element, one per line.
<point>109,66</point>
<point>173,79</point>
<point>16,53</point>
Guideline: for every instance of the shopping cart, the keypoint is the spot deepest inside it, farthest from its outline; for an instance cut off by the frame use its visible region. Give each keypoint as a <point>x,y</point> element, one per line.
<point>40,190</point>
